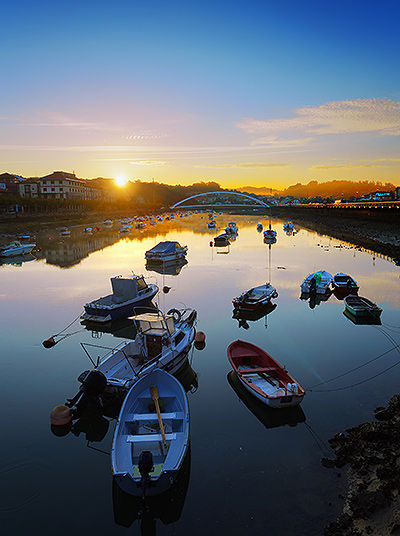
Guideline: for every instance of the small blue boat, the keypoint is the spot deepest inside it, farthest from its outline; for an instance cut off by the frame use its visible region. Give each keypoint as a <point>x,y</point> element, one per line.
<point>149,447</point>
<point>128,293</point>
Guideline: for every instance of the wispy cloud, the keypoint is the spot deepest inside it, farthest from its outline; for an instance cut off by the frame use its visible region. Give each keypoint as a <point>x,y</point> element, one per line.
<point>153,163</point>
<point>337,117</point>
<point>343,166</point>
<point>281,143</point>
<point>377,162</point>
<point>244,165</point>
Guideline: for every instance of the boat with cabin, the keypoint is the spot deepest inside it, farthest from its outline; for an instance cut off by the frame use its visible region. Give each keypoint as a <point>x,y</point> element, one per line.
<point>151,436</point>
<point>222,240</point>
<point>162,341</point>
<point>127,294</point>
<point>16,249</point>
<point>361,307</point>
<point>264,377</point>
<point>166,251</point>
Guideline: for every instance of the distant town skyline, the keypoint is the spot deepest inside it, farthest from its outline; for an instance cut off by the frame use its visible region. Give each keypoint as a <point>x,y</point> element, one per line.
<point>253,93</point>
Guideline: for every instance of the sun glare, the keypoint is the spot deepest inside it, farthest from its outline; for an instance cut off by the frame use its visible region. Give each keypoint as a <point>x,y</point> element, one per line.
<point>121,181</point>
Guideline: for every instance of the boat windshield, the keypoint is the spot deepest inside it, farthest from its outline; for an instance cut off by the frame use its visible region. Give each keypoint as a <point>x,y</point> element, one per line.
<point>141,283</point>
<point>148,322</point>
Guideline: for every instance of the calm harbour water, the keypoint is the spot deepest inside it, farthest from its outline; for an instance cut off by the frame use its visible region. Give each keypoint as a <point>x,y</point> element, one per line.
<point>248,470</point>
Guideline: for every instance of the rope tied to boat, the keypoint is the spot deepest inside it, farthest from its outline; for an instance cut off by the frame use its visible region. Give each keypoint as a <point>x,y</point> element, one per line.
<point>51,341</point>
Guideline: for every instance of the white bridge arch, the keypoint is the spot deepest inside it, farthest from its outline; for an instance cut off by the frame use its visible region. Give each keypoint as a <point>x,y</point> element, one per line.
<point>257,201</point>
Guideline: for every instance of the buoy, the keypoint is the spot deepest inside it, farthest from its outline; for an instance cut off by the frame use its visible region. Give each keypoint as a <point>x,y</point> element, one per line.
<point>200,340</point>
<point>211,244</point>
<point>200,336</point>
<point>60,415</point>
<point>166,289</point>
<point>49,343</point>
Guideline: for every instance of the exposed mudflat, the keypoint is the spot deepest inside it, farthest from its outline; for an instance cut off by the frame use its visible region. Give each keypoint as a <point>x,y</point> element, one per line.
<point>372,451</point>
<point>376,235</point>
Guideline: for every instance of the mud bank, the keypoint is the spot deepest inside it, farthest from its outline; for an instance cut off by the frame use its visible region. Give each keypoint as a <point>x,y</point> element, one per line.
<point>372,451</point>
<point>379,236</point>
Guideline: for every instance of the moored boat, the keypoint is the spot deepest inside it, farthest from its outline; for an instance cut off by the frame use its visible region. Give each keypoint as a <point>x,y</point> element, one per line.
<point>269,236</point>
<point>232,228</point>
<point>166,251</point>
<point>128,293</point>
<point>264,377</point>
<point>162,341</point>
<point>360,307</point>
<point>317,282</point>
<point>255,298</point>
<point>222,240</point>
<point>151,436</point>
<point>344,283</point>
<point>15,249</point>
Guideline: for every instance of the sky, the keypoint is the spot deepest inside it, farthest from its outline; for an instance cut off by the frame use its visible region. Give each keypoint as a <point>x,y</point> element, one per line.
<point>249,92</point>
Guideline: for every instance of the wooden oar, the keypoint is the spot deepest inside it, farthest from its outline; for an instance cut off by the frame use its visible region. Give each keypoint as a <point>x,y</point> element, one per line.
<point>154,396</point>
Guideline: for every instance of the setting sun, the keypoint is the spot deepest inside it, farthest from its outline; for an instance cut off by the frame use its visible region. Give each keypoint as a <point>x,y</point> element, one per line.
<point>121,181</point>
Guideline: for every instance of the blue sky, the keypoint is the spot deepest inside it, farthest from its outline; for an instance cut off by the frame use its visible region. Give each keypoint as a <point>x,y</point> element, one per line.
<point>173,90</point>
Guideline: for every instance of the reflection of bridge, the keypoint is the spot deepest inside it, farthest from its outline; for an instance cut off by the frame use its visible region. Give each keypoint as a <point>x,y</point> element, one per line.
<point>216,204</point>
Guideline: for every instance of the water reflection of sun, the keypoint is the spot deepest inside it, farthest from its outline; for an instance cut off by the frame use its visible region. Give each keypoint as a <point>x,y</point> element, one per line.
<point>121,181</point>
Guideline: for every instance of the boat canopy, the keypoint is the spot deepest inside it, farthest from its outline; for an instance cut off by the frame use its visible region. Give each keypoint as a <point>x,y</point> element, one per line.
<point>165,247</point>
<point>155,323</point>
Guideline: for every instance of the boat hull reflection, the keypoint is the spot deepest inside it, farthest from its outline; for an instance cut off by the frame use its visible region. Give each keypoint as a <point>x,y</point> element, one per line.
<point>167,506</point>
<point>370,320</point>
<point>243,316</point>
<point>173,267</point>
<point>269,417</point>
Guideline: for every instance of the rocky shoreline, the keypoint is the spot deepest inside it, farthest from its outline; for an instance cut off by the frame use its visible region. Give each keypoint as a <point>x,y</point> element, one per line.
<point>372,451</point>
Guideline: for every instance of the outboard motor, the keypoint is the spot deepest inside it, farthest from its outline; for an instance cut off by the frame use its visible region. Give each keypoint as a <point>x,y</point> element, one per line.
<point>93,385</point>
<point>145,467</point>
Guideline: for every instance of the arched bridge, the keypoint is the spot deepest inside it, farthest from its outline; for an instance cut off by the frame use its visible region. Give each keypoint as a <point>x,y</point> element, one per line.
<point>217,204</point>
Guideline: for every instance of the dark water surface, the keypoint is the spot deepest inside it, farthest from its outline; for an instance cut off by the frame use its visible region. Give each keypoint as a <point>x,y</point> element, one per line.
<point>250,471</point>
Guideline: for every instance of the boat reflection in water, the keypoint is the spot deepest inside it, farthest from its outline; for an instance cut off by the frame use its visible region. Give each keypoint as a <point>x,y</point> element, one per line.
<point>167,507</point>
<point>315,298</point>
<point>370,320</point>
<point>243,316</point>
<point>124,328</point>
<point>17,260</point>
<point>269,417</point>
<point>166,268</point>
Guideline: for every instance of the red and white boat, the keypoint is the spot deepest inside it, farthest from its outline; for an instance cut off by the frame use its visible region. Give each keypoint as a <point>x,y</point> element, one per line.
<point>255,298</point>
<point>263,377</point>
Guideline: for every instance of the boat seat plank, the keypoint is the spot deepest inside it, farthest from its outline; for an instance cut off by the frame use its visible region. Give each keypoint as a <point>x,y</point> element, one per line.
<point>152,416</point>
<point>256,370</point>
<point>149,437</point>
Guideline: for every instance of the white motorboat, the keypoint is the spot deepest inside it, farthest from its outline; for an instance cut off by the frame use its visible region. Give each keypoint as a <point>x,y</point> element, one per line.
<point>16,248</point>
<point>128,293</point>
<point>151,435</point>
<point>318,282</point>
<point>166,251</point>
<point>162,341</point>
<point>65,231</point>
